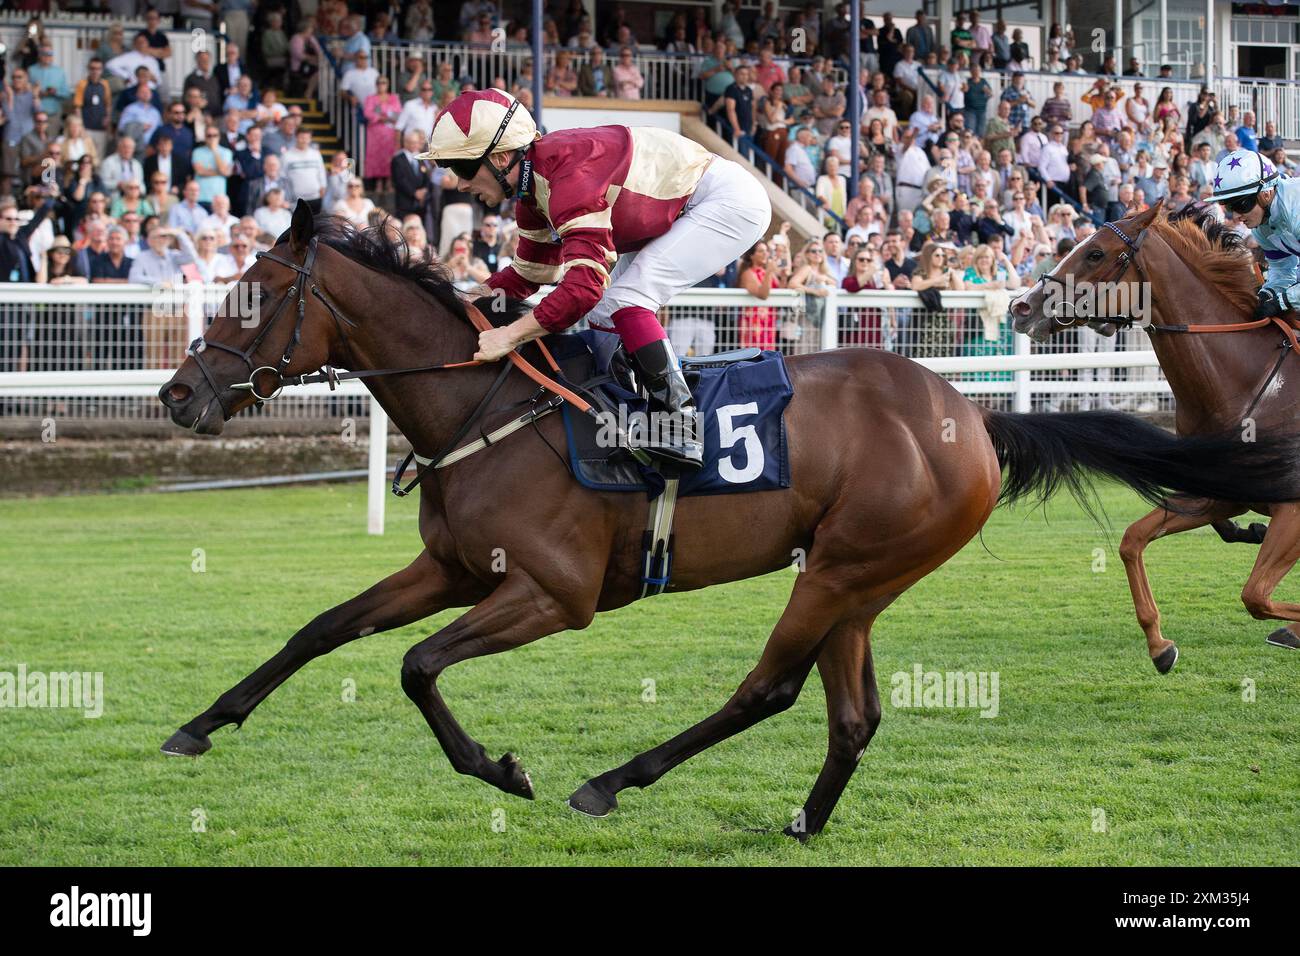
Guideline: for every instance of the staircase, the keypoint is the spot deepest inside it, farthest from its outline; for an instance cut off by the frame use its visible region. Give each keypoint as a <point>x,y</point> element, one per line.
<point>323,133</point>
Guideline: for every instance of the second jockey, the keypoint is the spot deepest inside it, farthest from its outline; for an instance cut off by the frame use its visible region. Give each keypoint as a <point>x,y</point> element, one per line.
<point>619,219</point>
<point>1250,186</point>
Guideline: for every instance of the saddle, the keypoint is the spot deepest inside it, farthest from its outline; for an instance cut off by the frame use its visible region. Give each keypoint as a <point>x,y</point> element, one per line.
<point>742,392</point>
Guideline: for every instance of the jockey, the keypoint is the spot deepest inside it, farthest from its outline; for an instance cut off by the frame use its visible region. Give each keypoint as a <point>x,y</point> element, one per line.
<point>1250,186</point>
<point>665,209</point>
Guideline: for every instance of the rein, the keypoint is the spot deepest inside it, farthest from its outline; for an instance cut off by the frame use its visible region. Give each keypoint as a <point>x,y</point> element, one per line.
<point>333,376</point>
<point>1290,328</point>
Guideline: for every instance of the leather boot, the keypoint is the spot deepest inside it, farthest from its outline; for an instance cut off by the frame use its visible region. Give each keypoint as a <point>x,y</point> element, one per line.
<point>662,378</point>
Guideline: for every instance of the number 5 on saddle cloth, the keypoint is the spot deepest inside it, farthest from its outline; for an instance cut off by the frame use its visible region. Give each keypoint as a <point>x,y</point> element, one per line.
<point>741,397</point>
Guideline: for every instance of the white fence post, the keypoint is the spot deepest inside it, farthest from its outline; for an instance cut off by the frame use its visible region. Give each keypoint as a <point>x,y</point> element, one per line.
<point>375,497</point>
<point>831,321</point>
<point>1024,396</point>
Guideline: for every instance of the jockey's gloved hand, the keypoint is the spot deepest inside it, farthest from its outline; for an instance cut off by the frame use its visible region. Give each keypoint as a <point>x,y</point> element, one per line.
<point>1271,303</point>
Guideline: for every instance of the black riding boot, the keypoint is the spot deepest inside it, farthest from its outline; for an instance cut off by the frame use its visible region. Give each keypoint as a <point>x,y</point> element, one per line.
<point>662,377</point>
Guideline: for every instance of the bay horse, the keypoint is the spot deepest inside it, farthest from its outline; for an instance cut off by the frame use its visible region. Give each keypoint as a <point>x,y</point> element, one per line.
<point>893,471</point>
<point>1226,373</point>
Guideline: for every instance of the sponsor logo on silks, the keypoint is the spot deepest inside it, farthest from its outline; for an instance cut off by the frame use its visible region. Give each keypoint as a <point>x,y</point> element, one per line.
<point>78,909</point>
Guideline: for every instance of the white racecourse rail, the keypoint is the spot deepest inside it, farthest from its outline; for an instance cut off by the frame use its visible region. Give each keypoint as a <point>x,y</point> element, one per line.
<point>102,352</point>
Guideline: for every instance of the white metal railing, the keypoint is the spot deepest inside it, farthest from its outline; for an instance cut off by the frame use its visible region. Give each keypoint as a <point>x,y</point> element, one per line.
<point>50,335</point>
<point>75,45</point>
<point>345,117</point>
<point>668,76</point>
<point>1006,370</point>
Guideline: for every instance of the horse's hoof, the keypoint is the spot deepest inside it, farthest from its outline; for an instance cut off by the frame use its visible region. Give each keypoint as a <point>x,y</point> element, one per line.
<point>1167,659</point>
<point>517,781</point>
<point>803,836</point>
<point>593,801</point>
<point>181,744</point>
<point>1284,637</point>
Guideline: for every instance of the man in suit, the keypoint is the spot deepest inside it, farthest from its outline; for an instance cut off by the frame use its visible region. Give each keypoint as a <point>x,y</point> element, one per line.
<point>412,178</point>
<point>248,167</point>
<point>166,161</point>
<point>272,178</point>
<point>228,75</point>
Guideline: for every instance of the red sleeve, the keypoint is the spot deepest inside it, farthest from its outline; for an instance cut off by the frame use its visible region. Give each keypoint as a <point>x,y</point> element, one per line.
<point>537,258</point>
<point>583,219</point>
<point>514,285</point>
<point>583,257</point>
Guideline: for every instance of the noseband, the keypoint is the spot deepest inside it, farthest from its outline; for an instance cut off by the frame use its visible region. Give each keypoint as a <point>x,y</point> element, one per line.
<point>299,289</point>
<point>1121,265</point>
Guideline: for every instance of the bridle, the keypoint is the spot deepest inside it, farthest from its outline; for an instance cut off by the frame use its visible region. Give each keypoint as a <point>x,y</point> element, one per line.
<point>1290,328</point>
<point>333,376</point>
<point>200,344</point>
<point>1127,258</point>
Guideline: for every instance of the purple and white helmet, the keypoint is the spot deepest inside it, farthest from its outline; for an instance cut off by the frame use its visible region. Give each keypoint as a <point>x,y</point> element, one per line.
<point>1243,172</point>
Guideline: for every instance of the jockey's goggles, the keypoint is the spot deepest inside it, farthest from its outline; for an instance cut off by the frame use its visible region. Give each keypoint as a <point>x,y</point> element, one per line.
<point>468,168</point>
<point>1241,205</point>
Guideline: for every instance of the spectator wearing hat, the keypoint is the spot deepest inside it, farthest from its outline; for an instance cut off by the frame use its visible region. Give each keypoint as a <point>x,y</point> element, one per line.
<point>1155,186</point>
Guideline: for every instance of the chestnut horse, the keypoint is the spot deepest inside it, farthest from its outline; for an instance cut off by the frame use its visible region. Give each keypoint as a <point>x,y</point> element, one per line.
<point>1223,377</point>
<point>893,472</point>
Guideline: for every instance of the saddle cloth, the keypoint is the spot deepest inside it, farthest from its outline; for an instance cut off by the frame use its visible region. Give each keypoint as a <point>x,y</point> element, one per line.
<point>741,406</point>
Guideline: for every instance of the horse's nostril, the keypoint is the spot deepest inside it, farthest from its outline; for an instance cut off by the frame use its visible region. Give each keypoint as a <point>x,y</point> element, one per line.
<point>179,392</point>
<point>1021,308</point>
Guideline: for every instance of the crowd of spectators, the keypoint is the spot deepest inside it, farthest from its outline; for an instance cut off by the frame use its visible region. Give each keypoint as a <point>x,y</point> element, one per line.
<point>104,177</point>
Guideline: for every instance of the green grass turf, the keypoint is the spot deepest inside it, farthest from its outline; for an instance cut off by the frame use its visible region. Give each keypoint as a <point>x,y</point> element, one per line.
<point>1184,770</point>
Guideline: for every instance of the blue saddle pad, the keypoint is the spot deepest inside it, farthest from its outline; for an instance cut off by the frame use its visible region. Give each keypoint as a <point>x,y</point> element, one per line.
<point>741,408</point>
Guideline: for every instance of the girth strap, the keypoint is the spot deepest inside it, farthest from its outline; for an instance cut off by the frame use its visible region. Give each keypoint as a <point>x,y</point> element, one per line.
<point>657,542</point>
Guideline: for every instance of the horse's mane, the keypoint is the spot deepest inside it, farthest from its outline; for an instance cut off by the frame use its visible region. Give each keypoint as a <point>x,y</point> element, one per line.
<point>1217,252</point>
<point>377,248</point>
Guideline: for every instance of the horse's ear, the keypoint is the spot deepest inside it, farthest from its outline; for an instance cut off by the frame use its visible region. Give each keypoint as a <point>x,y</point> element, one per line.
<point>303,226</point>
<point>1144,219</point>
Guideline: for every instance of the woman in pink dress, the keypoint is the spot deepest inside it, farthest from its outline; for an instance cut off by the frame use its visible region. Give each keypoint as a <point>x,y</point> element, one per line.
<point>382,108</point>
<point>758,325</point>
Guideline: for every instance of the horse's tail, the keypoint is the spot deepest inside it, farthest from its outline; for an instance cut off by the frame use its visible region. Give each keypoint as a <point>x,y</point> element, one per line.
<point>1042,453</point>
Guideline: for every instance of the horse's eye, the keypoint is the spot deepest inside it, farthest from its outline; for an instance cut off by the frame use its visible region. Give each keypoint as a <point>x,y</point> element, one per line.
<point>1095,255</point>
